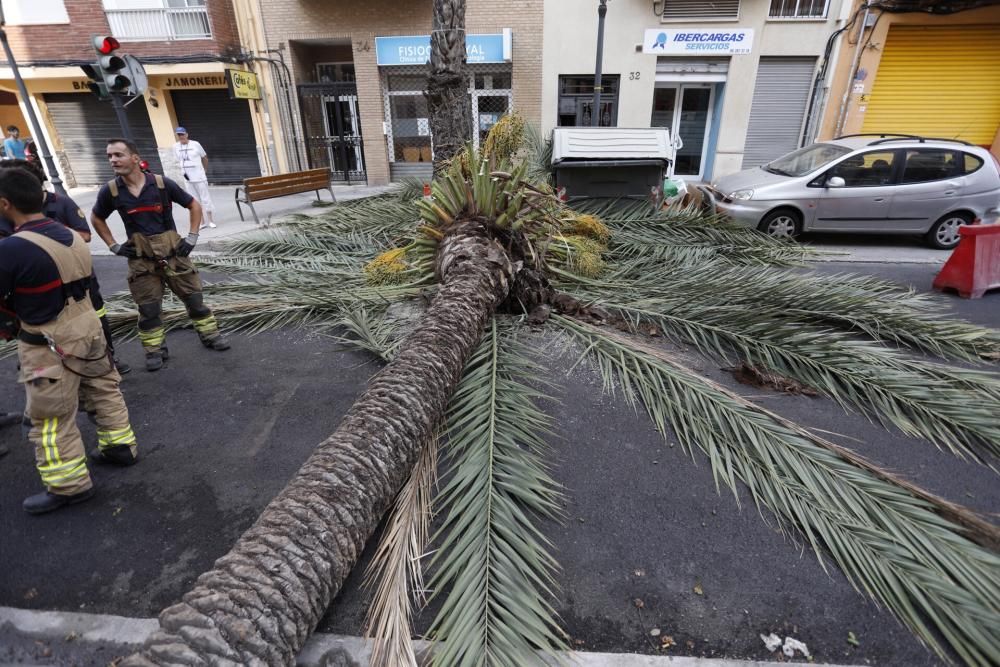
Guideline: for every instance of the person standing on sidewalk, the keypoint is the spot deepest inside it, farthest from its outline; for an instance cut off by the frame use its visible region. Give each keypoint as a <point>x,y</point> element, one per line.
<point>157,255</point>
<point>13,146</point>
<point>193,160</point>
<point>45,273</point>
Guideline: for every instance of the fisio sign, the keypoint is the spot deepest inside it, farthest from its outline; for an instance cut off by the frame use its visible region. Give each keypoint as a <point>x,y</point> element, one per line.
<point>416,50</point>
<point>690,42</point>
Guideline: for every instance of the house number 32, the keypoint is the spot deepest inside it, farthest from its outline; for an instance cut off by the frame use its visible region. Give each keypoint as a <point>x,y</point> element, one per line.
<point>633,76</point>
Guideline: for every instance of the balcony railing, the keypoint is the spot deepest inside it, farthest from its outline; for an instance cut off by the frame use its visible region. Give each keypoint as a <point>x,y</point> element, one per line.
<point>160,24</point>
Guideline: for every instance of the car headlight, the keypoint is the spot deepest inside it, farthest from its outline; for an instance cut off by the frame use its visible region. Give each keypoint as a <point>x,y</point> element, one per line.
<point>741,195</point>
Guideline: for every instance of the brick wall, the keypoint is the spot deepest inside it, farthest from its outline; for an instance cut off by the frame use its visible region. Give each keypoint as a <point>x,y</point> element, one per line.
<point>59,42</point>
<point>358,22</point>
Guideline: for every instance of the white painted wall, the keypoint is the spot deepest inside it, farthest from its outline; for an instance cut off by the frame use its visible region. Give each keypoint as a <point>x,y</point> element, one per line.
<point>35,12</point>
<point>570,47</point>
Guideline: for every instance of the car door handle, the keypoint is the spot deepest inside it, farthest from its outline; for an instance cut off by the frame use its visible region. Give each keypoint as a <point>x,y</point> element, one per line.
<point>879,199</point>
<point>950,192</point>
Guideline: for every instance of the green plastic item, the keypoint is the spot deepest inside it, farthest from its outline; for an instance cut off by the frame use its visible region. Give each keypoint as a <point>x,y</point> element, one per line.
<point>669,188</point>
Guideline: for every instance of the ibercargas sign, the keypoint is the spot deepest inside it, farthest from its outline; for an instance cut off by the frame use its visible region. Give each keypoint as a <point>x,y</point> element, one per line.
<point>416,49</point>
<point>696,41</point>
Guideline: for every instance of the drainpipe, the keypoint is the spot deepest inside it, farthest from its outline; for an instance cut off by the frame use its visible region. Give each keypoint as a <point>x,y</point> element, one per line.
<point>842,114</point>
<point>595,109</point>
<point>285,83</point>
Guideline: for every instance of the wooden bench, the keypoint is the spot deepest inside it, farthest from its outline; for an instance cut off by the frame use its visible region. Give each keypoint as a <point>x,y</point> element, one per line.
<point>269,187</point>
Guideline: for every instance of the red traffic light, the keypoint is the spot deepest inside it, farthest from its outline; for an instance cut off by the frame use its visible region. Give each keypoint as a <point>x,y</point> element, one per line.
<point>106,45</point>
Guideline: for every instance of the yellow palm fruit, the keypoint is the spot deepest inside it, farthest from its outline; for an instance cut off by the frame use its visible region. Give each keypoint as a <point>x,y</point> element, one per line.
<point>504,139</point>
<point>590,226</point>
<point>387,268</point>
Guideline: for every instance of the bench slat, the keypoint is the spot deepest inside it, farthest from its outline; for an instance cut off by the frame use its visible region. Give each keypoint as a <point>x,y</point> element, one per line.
<point>268,187</point>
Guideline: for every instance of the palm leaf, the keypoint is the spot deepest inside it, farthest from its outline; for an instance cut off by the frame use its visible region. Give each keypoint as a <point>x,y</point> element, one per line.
<point>492,567</point>
<point>900,547</point>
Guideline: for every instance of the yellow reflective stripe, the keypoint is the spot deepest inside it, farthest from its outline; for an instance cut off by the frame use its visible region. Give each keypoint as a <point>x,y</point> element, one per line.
<point>49,448</point>
<point>102,311</point>
<point>66,472</point>
<point>125,436</point>
<point>152,338</point>
<point>206,325</point>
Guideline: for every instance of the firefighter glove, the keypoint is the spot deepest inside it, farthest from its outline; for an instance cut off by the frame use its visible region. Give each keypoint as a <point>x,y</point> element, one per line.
<point>124,250</point>
<point>186,245</point>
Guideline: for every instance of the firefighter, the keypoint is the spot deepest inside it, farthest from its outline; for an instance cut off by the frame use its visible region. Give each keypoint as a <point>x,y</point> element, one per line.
<point>157,255</point>
<point>44,277</point>
<point>62,208</point>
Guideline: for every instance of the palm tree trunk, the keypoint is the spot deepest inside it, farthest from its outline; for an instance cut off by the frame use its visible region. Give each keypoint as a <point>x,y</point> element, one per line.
<point>448,83</point>
<point>263,599</point>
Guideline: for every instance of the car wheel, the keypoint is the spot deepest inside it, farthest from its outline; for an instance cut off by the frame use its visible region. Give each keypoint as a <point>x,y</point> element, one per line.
<point>944,234</point>
<point>781,224</point>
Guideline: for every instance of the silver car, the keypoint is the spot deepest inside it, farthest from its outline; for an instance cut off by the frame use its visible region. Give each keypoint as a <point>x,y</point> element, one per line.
<point>885,184</point>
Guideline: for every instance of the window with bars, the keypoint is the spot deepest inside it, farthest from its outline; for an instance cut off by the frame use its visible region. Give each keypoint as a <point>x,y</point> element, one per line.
<point>689,10</point>
<point>798,9</point>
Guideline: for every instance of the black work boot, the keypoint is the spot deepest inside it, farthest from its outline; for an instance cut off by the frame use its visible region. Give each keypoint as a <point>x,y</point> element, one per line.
<point>4,451</point>
<point>9,418</point>
<point>154,361</point>
<point>219,343</point>
<point>117,456</point>
<point>165,351</point>
<point>40,503</point>
<point>121,366</point>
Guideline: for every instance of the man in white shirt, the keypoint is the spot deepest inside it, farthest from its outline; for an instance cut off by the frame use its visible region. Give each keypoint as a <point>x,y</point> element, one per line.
<point>193,160</point>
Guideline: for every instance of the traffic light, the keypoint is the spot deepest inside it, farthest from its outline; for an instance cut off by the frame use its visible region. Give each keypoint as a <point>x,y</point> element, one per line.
<point>111,71</point>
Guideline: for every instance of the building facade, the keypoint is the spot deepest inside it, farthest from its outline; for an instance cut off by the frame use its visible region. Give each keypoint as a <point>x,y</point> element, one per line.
<point>186,46</point>
<point>919,73</point>
<point>347,79</point>
<point>737,82</point>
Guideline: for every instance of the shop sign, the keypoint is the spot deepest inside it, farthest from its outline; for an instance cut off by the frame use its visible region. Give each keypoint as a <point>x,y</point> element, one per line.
<point>697,41</point>
<point>197,81</point>
<point>416,50</point>
<point>242,85</point>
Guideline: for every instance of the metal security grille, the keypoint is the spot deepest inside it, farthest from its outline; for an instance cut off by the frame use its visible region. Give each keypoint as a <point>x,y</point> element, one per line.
<point>407,116</point>
<point>688,10</point>
<point>331,126</point>
<point>224,128</point>
<point>85,124</point>
<point>798,9</point>
<point>778,109</point>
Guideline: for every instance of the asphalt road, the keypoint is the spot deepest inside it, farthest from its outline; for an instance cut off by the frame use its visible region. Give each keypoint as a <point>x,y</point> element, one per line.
<point>221,433</point>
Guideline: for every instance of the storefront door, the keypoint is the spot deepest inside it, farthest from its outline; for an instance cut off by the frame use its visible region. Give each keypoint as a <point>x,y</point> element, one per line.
<point>686,109</point>
<point>344,127</point>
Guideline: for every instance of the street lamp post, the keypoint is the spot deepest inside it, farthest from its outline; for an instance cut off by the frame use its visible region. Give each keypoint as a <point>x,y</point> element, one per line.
<point>595,109</point>
<point>36,129</point>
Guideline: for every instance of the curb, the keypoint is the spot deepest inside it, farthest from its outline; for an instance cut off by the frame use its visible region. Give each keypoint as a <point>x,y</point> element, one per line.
<point>104,635</point>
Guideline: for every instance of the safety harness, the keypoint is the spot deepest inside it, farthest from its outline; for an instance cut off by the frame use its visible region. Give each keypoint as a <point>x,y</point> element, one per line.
<point>164,208</point>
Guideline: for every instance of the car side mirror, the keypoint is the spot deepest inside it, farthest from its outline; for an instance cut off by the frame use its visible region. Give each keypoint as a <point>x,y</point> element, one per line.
<point>835,182</point>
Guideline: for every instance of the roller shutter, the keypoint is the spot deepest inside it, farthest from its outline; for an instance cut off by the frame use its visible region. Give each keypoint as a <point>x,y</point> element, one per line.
<point>780,98</point>
<point>938,82</point>
<point>224,127</point>
<point>85,124</point>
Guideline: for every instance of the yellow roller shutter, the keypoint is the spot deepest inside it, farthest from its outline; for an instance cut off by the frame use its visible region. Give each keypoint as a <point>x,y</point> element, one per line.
<point>938,82</point>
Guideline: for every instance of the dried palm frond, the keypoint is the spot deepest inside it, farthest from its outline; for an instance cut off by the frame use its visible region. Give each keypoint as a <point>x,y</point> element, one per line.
<point>899,547</point>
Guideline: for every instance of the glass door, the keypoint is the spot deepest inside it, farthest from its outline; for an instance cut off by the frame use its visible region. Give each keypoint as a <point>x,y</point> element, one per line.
<point>686,109</point>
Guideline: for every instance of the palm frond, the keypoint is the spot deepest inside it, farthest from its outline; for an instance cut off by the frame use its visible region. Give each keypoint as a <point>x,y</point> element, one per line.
<point>951,407</point>
<point>492,566</point>
<point>897,546</point>
<point>538,155</point>
<point>370,332</point>
<point>396,570</point>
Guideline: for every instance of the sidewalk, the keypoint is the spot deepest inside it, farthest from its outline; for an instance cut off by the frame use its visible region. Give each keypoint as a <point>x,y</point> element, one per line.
<point>226,215</point>
<point>43,637</point>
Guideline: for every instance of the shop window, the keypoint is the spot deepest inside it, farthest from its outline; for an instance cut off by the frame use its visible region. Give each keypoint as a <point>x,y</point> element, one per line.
<point>688,10</point>
<point>576,100</point>
<point>335,72</point>
<point>798,9</point>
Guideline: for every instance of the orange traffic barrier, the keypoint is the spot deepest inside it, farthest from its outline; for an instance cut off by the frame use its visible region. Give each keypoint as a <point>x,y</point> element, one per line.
<point>974,265</point>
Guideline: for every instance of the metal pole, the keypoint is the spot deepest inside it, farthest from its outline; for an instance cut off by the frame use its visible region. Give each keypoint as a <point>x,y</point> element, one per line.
<point>595,109</point>
<point>116,102</point>
<point>36,129</point>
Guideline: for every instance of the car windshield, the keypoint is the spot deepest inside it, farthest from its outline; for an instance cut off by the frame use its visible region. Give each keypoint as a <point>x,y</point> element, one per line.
<point>806,160</point>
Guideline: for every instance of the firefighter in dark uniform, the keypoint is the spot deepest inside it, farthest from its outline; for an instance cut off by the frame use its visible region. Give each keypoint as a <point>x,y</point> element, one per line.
<point>45,273</point>
<point>62,208</point>
<point>157,255</point>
